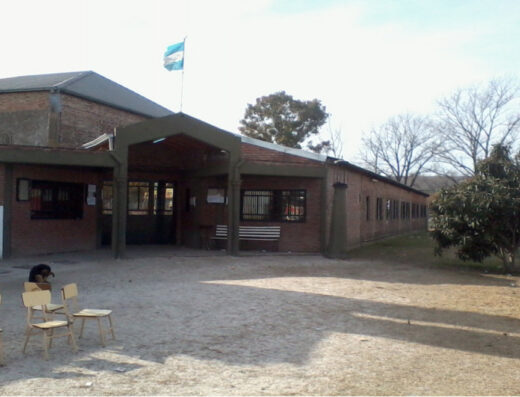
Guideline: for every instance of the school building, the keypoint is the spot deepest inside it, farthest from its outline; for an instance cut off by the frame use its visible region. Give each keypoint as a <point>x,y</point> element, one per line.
<point>87,163</point>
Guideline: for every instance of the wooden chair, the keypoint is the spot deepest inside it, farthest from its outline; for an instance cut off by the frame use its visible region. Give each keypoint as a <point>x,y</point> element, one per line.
<point>52,308</point>
<point>43,298</point>
<point>69,293</point>
<point>1,345</point>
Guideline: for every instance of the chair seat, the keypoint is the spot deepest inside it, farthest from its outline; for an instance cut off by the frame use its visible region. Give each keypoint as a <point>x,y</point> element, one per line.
<point>51,307</point>
<point>51,324</point>
<point>92,313</point>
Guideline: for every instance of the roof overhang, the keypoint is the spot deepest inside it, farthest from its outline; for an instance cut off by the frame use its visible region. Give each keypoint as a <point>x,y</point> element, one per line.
<point>52,156</point>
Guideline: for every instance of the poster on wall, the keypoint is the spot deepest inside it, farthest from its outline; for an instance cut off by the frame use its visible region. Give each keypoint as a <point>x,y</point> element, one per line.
<point>91,195</point>
<point>216,196</point>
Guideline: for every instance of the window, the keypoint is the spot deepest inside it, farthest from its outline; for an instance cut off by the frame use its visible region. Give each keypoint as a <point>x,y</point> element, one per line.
<point>423,211</point>
<point>415,210</point>
<point>379,208</point>
<point>138,198</point>
<point>273,205</point>
<point>163,198</point>
<point>388,208</point>
<point>56,200</point>
<point>405,210</point>
<point>395,209</point>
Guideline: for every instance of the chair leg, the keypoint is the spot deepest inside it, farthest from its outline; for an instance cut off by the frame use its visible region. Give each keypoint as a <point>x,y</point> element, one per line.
<point>101,332</point>
<point>45,344</point>
<point>51,337</point>
<point>1,350</point>
<point>82,325</point>
<point>71,338</point>
<point>111,327</point>
<point>27,336</point>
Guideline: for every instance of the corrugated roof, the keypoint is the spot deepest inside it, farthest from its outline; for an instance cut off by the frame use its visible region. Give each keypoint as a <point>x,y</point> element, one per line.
<point>88,85</point>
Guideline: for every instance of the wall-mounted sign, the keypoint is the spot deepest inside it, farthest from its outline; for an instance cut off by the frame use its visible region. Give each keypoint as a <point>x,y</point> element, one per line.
<point>216,196</point>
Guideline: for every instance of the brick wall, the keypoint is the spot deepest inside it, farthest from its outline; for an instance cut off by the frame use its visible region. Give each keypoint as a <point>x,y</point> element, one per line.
<point>24,118</point>
<point>259,154</point>
<point>39,236</point>
<point>295,236</point>
<point>360,186</point>
<point>82,120</point>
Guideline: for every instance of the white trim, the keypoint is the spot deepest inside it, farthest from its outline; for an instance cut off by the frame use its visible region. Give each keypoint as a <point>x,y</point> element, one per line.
<point>98,141</point>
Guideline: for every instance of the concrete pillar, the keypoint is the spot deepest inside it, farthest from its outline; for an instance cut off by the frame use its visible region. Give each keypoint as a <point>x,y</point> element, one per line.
<point>119,210</point>
<point>338,225</point>
<point>234,184</point>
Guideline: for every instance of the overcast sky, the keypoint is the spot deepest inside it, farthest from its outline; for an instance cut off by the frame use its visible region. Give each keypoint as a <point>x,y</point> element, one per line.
<point>365,60</point>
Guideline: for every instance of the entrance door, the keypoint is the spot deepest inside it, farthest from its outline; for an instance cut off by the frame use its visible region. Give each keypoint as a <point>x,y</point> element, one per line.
<point>150,217</point>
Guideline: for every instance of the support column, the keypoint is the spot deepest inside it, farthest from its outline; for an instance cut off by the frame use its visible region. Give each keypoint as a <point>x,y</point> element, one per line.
<point>119,210</point>
<point>234,184</point>
<point>9,191</point>
<point>338,226</point>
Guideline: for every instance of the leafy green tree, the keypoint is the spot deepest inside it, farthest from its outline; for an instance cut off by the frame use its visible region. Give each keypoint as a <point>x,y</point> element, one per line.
<point>281,119</point>
<point>481,216</point>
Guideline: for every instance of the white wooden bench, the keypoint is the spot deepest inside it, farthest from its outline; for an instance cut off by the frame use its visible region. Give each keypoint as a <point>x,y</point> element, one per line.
<point>259,233</point>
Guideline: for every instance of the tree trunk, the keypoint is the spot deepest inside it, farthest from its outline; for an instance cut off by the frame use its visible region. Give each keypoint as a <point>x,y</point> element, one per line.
<point>508,259</point>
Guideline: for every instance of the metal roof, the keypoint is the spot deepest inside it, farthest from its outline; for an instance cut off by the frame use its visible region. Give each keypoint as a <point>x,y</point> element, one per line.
<point>88,85</point>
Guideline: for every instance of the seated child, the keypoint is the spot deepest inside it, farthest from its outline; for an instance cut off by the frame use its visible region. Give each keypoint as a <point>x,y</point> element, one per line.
<point>39,274</point>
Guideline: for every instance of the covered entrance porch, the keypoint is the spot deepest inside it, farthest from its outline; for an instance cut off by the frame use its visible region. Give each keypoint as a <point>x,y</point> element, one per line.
<point>171,175</point>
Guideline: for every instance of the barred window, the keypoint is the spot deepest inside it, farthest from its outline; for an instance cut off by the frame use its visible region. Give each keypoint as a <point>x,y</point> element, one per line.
<point>273,205</point>
<point>56,200</point>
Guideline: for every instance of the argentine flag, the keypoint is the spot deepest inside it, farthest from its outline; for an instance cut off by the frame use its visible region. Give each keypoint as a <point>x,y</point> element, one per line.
<point>174,57</point>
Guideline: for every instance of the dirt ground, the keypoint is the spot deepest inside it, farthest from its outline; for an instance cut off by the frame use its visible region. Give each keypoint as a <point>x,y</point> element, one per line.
<point>270,325</point>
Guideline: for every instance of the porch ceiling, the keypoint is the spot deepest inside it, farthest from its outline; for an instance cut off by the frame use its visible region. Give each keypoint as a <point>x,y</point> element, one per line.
<point>179,152</point>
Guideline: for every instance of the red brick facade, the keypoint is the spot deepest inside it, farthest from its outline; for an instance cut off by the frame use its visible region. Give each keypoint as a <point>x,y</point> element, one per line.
<point>36,236</point>
<point>28,119</point>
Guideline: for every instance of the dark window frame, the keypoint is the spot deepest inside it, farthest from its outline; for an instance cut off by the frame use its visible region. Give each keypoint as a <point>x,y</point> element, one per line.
<point>273,205</point>
<point>56,200</point>
<point>379,208</point>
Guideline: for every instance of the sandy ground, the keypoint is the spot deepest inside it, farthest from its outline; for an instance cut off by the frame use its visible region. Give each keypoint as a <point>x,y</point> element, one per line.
<point>190,324</point>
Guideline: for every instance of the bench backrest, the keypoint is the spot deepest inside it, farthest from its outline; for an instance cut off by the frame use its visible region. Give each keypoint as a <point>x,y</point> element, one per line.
<point>251,232</point>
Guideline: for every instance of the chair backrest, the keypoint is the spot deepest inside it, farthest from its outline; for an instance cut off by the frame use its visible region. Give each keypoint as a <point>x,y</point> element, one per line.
<point>28,286</point>
<point>36,298</point>
<point>69,291</point>
<point>39,298</point>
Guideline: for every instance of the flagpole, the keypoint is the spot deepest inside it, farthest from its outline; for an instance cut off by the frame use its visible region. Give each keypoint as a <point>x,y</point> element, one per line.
<point>182,77</point>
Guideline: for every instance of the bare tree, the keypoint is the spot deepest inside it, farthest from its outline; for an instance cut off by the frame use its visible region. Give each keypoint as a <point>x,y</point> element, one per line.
<point>475,118</point>
<point>401,148</point>
<point>331,145</point>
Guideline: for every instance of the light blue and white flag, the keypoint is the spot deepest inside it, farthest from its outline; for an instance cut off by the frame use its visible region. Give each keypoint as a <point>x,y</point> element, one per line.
<point>174,57</point>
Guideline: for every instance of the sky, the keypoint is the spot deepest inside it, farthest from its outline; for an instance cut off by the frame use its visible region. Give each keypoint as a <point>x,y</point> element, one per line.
<point>365,60</point>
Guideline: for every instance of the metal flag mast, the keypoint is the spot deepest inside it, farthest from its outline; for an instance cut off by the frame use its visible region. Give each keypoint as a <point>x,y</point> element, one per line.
<point>182,77</point>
